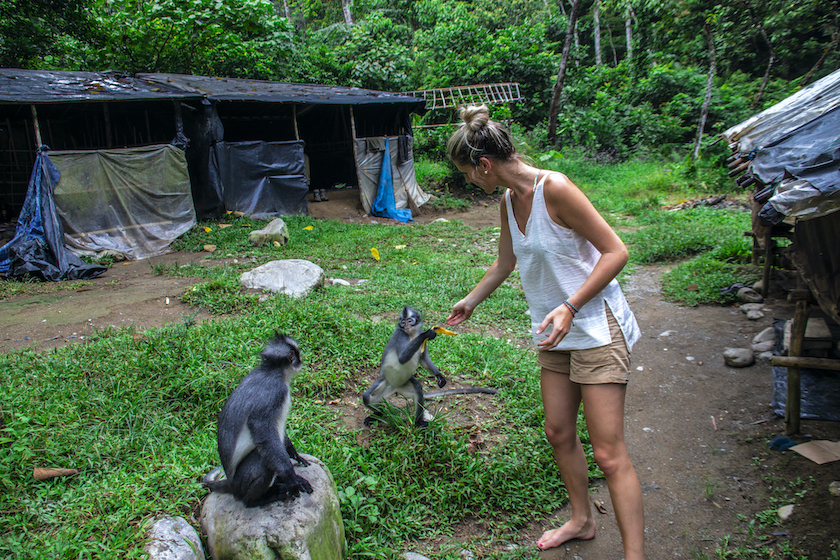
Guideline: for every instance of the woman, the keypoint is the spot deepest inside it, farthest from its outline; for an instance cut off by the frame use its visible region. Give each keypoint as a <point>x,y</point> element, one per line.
<point>583,329</point>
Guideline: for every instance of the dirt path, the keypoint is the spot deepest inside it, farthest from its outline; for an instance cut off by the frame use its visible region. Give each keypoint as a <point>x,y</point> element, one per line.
<point>696,429</point>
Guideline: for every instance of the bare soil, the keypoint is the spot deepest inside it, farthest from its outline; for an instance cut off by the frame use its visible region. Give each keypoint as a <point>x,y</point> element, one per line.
<point>697,430</point>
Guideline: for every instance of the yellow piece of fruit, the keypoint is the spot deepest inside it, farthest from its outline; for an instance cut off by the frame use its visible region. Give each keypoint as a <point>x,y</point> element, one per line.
<point>375,252</point>
<point>309,228</point>
<point>441,330</point>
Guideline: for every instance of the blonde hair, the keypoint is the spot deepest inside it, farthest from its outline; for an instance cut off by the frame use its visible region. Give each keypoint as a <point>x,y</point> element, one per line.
<point>479,136</point>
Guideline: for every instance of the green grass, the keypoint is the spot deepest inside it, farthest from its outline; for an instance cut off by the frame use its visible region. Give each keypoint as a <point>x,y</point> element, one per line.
<point>137,415</point>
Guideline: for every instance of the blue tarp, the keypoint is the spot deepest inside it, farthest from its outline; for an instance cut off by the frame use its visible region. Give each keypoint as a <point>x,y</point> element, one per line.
<point>37,249</point>
<point>385,205</point>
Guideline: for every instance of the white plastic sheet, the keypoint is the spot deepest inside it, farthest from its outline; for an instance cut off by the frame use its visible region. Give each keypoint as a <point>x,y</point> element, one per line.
<point>131,203</point>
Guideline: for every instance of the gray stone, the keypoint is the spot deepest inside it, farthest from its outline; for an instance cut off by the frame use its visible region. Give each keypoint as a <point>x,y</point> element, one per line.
<point>172,538</point>
<point>306,528</point>
<point>293,277</point>
<point>739,357</point>
<point>767,334</point>
<point>755,315</point>
<point>748,295</point>
<point>766,346</point>
<point>413,556</point>
<point>747,307</point>
<point>276,230</point>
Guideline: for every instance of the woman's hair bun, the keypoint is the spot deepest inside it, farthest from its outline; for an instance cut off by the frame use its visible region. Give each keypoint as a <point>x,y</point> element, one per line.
<point>475,117</point>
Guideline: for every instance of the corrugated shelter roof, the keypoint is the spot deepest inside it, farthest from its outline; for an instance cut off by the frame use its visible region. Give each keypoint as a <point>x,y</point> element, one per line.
<point>43,86</point>
<point>36,86</point>
<point>236,89</point>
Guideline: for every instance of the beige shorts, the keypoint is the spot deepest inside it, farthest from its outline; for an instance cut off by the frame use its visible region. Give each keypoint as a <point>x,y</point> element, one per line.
<point>604,364</point>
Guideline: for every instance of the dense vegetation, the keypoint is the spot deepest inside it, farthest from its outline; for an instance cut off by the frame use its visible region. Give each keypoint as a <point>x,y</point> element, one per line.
<point>136,413</point>
<point>118,408</point>
<point>636,77</point>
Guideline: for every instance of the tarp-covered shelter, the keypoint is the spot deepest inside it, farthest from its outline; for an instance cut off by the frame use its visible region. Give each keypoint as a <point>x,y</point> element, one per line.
<point>127,145</point>
<point>790,155</point>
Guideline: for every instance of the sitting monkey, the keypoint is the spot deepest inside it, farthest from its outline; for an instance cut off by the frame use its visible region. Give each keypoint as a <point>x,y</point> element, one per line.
<point>405,350</point>
<point>255,450</point>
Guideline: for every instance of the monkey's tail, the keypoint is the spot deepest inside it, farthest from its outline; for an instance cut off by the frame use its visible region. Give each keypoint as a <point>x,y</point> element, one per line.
<point>462,391</point>
<point>211,480</point>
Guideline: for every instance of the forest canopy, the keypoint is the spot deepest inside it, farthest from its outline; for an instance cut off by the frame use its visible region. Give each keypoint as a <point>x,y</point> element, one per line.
<point>635,82</point>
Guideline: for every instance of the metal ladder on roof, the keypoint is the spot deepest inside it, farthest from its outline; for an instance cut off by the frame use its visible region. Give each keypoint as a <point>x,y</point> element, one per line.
<point>457,96</point>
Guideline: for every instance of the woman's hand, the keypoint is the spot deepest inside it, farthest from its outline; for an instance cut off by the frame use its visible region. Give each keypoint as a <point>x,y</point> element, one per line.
<point>461,311</point>
<point>560,320</point>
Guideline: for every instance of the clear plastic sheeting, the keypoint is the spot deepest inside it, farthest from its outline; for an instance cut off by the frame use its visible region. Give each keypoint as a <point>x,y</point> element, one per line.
<point>794,111</point>
<point>37,249</point>
<point>799,199</point>
<point>261,179</point>
<point>129,203</point>
<point>369,157</point>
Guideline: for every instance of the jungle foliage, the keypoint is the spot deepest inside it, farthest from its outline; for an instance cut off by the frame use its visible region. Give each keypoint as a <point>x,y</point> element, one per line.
<point>640,94</point>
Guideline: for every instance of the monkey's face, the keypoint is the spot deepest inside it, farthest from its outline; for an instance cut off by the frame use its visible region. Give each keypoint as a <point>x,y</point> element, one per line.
<point>410,321</point>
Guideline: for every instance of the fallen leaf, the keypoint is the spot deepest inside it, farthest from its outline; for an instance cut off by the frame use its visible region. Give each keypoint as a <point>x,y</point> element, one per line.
<point>692,288</point>
<point>47,474</point>
<point>399,246</point>
<point>599,506</point>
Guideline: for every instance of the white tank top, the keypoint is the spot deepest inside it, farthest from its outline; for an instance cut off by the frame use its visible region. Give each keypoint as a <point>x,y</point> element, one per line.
<point>553,262</point>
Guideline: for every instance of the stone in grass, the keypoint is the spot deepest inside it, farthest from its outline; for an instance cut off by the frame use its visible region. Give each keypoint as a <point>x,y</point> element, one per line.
<point>172,538</point>
<point>308,527</point>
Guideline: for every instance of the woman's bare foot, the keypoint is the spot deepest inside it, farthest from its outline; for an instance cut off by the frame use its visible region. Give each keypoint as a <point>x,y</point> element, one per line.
<point>556,537</point>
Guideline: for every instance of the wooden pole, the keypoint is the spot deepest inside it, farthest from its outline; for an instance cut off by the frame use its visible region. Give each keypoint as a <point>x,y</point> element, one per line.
<point>794,393</point>
<point>109,142</point>
<point>38,142</point>
<point>353,141</point>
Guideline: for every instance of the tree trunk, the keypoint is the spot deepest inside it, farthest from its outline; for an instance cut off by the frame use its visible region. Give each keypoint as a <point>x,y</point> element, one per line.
<point>612,45</point>
<point>554,108</point>
<point>835,37</point>
<point>704,111</point>
<point>348,15</point>
<point>596,17</point>
<point>287,11</point>
<point>769,67</point>
<point>628,34</point>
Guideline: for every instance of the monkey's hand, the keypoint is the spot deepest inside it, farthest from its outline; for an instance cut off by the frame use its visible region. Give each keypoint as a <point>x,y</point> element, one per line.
<point>303,485</point>
<point>301,461</point>
<point>441,380</point>
<point>430,334</point>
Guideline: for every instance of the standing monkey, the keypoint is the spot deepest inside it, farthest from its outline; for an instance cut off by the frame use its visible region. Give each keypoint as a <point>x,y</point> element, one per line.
<point>405,350</point>
<point>255,450</point>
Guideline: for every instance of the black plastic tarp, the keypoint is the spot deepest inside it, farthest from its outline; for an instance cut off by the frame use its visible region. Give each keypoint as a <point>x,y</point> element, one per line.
<point>806,153</point>
<point>37,249</point>
<point>260,179</point>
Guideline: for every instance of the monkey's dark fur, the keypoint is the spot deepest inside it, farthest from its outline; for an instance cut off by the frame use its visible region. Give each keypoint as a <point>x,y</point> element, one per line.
<point>403,353</point>
<point>255,450</point>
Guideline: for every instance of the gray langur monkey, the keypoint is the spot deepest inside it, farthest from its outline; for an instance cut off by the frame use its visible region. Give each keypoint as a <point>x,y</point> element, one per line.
<point>255,449</point>
<point>405,350</point>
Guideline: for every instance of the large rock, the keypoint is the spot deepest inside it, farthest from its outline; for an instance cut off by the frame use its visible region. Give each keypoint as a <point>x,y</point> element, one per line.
<point>275,231</point>
<point>306,528</point>
<point>172,538</point>
<point>293,277</point>
<point>739,357</point>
